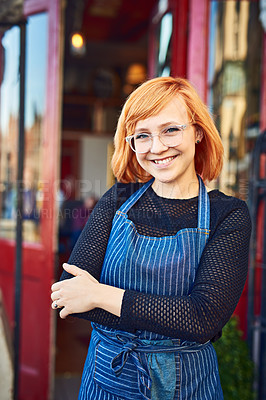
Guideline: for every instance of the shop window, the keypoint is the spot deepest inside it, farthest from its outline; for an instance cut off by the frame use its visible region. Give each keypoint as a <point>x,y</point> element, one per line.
<point>235,45</point>
<point>163,43</point>
<point>35,85</point>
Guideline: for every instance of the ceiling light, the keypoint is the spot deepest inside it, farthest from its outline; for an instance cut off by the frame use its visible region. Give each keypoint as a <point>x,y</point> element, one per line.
<point>77,44</point>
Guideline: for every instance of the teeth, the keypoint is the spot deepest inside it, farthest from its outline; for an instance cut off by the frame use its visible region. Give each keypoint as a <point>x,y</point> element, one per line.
<point>164,161</point>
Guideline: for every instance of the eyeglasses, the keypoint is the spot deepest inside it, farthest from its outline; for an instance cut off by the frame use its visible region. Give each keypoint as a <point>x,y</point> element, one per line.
<point>171,136</point>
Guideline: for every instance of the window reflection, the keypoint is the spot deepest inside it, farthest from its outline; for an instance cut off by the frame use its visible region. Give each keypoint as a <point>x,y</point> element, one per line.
<point>36,58</point>
<point>234,81</point>
<point>164,53</point>
<point>9,131</point>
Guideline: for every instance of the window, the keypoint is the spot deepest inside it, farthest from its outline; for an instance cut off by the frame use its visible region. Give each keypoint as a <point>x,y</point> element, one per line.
<point>164,35</point>
<point>35,85</point>
<point>235,45</point>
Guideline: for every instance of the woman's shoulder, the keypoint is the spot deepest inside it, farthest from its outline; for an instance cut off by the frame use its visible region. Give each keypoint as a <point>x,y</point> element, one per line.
<point>229,208</point>
<point>127,189</point>
<point>120,192</point>
<point>220,199</point>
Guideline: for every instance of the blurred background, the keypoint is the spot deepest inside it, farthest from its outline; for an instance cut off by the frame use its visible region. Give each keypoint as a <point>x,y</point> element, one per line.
<point>66,68</point>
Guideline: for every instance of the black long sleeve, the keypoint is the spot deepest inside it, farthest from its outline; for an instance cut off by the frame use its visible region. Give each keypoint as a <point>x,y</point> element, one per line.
<point>220,277</point>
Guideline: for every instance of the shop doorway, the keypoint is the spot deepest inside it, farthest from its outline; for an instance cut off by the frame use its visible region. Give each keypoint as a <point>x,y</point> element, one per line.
<point>107,62</point>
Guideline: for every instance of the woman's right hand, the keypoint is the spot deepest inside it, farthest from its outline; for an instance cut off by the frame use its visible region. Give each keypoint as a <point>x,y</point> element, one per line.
<point>83,293</point>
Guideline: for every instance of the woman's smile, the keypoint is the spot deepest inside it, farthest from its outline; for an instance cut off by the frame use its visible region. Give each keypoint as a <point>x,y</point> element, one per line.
<point>164,161</point>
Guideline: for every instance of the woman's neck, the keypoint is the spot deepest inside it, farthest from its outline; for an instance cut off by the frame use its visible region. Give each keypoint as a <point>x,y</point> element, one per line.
<point>177,190</point>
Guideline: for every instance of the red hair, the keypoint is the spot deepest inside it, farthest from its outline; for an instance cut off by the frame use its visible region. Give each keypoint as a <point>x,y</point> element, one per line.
<point>149,99</point>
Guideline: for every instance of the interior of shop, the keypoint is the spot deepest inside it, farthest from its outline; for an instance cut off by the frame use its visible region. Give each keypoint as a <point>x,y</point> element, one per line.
<point>105,58</point>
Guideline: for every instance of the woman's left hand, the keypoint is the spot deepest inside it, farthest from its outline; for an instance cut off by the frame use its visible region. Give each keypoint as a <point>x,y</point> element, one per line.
<point>77,294</point>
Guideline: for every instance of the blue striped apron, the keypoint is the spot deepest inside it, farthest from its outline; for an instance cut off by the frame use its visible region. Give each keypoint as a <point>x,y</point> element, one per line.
<point>146,365</point>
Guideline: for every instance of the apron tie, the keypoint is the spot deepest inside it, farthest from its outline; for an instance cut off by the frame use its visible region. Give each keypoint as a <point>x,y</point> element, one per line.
<point>119,361</point>
<point>131,345</point>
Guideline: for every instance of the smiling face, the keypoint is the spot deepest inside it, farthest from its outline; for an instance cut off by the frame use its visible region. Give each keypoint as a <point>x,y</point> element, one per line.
<point>172,167</point>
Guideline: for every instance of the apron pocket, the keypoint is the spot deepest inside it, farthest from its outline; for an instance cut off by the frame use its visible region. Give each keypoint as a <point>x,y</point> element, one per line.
<point>126,384</point>
<point>163,374</point>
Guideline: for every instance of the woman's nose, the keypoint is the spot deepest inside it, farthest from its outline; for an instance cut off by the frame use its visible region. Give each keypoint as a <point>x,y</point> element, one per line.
<point>157,146</point>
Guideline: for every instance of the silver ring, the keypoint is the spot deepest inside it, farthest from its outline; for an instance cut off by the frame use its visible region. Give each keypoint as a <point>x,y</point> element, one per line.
<point>55,305</point>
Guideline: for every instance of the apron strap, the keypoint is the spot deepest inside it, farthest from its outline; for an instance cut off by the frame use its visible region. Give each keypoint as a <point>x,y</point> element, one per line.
<point>203,206</point>
<point>135,197</point>
<point>203,203</point>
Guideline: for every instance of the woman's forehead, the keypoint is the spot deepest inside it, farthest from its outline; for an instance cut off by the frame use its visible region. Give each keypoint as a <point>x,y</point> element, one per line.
<point>175,110</point>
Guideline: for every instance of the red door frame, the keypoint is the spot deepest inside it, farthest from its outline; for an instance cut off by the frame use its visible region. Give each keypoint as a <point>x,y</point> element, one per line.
<point>180,37</point>
<point>263,88</point>
<point>197,65</point>
<point>36,337</point>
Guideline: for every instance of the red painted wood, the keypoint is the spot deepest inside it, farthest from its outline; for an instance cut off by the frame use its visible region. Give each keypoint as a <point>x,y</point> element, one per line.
<point>36,347</point>
<point>35,6</point>
<point>263,88</point>
<point>180,37</point>
<point>197,68</point>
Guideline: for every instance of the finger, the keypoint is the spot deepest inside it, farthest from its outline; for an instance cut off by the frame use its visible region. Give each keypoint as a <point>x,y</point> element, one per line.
<point>76,271</point>
<point>63,313</point>
<point>56,286</point>
<point>92,278</point>
<point>55,305</point>
<point>55,295</point>
<point>72,269</point>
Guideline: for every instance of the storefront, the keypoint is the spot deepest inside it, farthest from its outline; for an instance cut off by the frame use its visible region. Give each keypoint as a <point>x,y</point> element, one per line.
<point>72,99</point>
<point>41,23</point>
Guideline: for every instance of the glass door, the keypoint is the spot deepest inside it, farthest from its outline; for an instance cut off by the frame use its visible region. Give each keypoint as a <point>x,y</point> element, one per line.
<point>35,94</point>
<point>40,178</point>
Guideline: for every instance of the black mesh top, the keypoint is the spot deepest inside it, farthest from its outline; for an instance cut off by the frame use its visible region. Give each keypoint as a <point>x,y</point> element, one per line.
<point>220,277</point>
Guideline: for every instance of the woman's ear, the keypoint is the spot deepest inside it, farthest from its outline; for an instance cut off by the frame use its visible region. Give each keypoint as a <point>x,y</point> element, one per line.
<point>199,136</point>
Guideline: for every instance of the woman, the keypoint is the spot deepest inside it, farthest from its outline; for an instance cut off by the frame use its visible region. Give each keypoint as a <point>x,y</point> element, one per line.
<point>160,266</point>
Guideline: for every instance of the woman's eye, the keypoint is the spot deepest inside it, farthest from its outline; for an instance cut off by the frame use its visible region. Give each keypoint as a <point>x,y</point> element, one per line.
<point>142,136</point>
<point>172,129</point>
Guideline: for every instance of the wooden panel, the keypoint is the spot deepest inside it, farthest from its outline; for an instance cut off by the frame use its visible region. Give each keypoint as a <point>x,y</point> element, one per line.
<point>197,70</point>
<point>180,38</point>
<point>6,365</point>
<point>263,89</point>
<point>35,6</point>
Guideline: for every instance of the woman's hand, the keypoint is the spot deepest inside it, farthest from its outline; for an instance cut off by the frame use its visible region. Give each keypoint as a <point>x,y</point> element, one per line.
<point>74,295</point>
<point>83,293</point>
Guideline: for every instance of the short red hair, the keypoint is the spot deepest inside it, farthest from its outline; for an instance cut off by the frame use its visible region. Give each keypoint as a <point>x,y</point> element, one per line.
<point>149,99</point>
